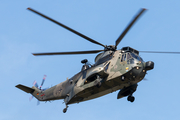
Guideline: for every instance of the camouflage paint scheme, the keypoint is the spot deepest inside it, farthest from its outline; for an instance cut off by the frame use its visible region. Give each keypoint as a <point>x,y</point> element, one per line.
<point>112,71</point>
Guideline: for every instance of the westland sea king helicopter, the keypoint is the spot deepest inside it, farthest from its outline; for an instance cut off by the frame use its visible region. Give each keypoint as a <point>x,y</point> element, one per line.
<point>113,70</point>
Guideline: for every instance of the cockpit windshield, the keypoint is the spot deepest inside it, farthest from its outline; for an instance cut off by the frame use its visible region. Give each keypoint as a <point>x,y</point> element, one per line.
<point>136,57</point>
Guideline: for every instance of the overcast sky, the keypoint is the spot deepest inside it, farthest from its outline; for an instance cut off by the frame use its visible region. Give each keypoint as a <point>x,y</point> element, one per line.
<point>23,32</point>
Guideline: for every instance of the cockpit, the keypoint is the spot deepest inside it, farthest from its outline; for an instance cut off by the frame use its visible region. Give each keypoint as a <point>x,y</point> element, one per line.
<point>133,58</point>
<point>136,57</point>
<point>130,55</point>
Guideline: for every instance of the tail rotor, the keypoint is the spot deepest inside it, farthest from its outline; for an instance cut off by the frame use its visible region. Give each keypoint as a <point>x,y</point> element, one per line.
<point>36,85</point>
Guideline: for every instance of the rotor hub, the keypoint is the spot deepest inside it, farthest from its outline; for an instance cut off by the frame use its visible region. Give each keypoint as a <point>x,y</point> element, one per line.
<point>110,47</point>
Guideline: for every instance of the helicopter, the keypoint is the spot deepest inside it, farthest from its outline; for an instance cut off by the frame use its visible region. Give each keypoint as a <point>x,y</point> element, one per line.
<point>113,70</point>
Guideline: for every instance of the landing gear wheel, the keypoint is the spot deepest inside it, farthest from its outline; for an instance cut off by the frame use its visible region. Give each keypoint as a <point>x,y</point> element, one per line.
<point>64,110</point>
<point>131,98</point>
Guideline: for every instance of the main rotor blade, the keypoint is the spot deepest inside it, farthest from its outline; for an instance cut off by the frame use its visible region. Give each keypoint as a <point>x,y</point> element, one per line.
<point>68,53</point>
<point>160,52</point>
<point>66,27</point>
<point>129,26</point>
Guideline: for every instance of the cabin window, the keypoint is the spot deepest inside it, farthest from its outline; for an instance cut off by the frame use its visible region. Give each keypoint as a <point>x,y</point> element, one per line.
<point>91,79</point>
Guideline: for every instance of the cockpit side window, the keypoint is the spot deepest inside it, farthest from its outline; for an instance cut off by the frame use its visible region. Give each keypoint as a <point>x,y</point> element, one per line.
<point>130,60</point>
<point>128,56</point>
<point>122,58</point>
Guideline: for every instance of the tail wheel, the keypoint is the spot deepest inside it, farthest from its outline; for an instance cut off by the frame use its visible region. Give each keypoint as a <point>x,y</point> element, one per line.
<point>64,110</point>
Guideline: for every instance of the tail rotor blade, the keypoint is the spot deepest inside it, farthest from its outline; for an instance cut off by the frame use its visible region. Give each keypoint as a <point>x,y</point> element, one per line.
<point>30,98</point>
<point>38,102</point>
<point>42,81</point>
<point>35,84</point>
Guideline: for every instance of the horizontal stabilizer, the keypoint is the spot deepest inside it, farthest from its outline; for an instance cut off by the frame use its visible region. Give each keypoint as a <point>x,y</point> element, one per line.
<point>25,88</point>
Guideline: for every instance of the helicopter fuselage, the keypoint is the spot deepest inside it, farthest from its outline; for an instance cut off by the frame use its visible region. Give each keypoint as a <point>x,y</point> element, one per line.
<point>113,70</point>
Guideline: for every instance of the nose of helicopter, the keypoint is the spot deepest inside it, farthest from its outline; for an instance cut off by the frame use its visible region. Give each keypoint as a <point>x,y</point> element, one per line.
<point>139,71</point>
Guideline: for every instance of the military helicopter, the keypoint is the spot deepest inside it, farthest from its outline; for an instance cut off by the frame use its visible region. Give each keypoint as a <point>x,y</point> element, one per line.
<point>113,70</point>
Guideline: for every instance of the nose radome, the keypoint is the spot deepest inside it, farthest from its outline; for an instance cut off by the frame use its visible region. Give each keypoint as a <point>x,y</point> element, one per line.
<point>149,65</point>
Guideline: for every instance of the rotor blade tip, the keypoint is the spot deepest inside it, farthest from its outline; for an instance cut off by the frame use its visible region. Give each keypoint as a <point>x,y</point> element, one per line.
<point>144,9</point>
<point>28,8</point>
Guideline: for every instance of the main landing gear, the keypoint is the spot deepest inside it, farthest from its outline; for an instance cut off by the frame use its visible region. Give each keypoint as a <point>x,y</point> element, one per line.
<point>131,98</point>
